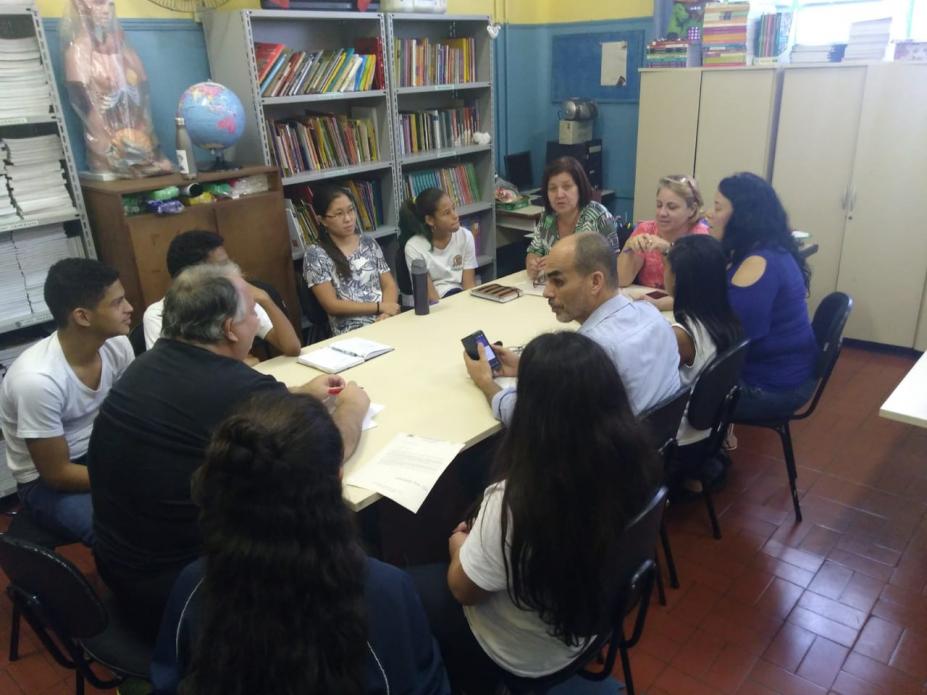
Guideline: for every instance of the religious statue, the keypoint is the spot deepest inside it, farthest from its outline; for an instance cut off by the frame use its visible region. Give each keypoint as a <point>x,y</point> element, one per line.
<point>108,88</point>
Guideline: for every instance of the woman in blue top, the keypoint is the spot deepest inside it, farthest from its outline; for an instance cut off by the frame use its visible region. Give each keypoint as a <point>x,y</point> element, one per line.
<point>286,601</point>
<point>768,282</point>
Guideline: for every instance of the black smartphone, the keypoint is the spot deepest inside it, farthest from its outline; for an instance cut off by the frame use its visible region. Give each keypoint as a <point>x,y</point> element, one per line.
<point>471,341</point>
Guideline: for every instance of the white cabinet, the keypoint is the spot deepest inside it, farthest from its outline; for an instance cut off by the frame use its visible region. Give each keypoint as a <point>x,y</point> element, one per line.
<point>850,168</point>
<point>707,123</point>
<point>816,142</point>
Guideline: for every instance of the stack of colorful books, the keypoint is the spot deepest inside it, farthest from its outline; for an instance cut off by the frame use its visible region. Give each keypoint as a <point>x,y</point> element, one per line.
<point>420,62</point>
<point>286,72</point>
<point>437,129</point>
<point>724,34</point>
<point>772,37</point>
<point>459,182</point>
<point>322,141</point>
<point>666,53</point>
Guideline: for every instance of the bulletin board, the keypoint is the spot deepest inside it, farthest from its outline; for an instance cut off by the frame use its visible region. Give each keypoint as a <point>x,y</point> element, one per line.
<point>581,63</point>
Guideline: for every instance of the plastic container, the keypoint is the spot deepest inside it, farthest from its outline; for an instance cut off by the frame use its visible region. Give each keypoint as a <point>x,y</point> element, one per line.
<point>428,6</point>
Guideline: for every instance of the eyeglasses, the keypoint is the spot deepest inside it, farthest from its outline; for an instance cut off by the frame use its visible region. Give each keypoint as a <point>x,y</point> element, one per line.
<point>342,214</point>
<point>685,180</point>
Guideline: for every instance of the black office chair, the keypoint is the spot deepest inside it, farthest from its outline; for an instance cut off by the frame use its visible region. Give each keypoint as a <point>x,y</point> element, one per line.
<point>828,324</point>
<point>68,617</point>
<point>137,339</point>
<point>711,407</point>
<point>25,528</point>
<point>635,573</point>
<point>261,348</point>
<point>319,326</point>
<point>662,420</point>
<point>403,278</point>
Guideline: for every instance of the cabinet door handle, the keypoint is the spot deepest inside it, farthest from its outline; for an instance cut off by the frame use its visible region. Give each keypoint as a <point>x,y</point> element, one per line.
<point>853,200</point>
<point>844,200</point>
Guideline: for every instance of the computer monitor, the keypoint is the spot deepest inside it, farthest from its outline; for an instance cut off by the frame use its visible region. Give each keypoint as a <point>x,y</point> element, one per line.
<point>518,170</point>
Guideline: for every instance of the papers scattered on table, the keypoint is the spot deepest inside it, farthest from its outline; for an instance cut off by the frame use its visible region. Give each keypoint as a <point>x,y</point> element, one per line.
<point>374,410</point>
<point>406,469</point>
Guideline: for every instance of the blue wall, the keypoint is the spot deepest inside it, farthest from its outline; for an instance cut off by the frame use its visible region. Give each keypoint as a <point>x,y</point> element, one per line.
<point>174,54</point>
<point>527,118</point>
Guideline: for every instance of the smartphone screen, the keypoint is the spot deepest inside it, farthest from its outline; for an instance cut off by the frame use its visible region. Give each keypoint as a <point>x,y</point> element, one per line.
<point>470,343</point>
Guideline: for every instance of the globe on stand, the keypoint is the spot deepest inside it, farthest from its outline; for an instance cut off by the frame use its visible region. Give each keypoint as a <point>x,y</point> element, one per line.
<point>215,119</point>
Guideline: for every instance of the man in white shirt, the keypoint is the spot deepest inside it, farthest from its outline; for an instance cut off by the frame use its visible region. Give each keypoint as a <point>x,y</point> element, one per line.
<point>582,285</point>
<point>195,247</point>
<point>52,392</point>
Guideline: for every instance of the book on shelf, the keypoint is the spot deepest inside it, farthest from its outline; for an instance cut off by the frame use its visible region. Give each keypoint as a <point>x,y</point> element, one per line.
<point>344,354</point>
<point>322,141</point>
<point>496,292</point>
<point>458,181</point>
<point>823,53</point>
<point>373,46</point>
<point>911,51</point>
<point>724,34</point>
<point>421,62</point>
<point>437,129</point>
<point>283,71</point>
<point>771,36</point>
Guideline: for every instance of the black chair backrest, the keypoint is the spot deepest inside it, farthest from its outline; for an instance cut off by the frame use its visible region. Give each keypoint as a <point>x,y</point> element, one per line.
<point>830,318</point>
<point>403,278</point>
<point>313,311</point>
<point>66,599</point>
<point>137,339</point>
<point>715,392</point>
<point>663,419</point>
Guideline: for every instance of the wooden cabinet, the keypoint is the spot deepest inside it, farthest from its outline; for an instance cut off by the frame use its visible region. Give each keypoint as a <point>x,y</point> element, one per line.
<point>252,226</point>
<point>703,122</point>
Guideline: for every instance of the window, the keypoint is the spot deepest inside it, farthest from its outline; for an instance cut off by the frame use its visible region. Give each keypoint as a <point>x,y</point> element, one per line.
<point>828,21</point>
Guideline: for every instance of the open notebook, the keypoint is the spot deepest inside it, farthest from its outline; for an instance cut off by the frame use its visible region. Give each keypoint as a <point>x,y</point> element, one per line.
<point>343,354</point>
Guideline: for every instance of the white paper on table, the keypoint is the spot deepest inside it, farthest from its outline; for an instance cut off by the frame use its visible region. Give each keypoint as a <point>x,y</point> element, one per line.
<point>374,410</point>
<point>406,469</point>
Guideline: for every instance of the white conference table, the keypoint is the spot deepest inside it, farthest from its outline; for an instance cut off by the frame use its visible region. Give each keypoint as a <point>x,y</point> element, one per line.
<point>423,382</point>
<point>908,402</point>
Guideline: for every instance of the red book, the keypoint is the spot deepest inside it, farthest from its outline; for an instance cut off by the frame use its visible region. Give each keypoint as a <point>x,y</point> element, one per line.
<point>371,45</point>
<point>265,54</point>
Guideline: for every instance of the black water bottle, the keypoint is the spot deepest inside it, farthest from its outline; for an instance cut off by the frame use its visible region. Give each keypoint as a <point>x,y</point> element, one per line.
<point>419,272</point>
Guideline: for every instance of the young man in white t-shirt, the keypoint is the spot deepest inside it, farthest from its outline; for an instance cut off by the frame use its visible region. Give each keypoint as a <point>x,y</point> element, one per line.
<point>195,247</point>
<point>52,392</point>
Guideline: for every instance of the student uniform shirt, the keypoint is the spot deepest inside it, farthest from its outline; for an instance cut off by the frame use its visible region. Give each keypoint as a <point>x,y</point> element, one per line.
<point>445,266</point>
<point>41,397</point>
<point>515,638</point>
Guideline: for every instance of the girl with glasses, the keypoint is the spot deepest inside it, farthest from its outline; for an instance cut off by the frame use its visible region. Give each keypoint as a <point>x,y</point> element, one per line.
<point>346,270</point>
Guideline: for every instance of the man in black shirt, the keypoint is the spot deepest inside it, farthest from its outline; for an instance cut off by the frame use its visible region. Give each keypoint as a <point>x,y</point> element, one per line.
<point>153,428</point>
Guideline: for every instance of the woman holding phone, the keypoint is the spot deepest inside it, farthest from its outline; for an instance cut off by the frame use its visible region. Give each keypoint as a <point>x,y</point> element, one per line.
<point>569,207</point>
<point>679,213</point>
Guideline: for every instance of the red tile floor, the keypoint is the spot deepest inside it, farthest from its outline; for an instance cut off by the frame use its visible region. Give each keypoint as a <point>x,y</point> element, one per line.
<point>836,604</point>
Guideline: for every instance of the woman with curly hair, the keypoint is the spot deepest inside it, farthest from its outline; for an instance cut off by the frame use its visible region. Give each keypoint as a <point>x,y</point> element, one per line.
<point>285,600</point>
<point>534,568</point>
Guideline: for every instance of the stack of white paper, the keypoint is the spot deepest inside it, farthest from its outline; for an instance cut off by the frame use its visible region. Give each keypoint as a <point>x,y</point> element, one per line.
<point>14,304</point>
<point>8,212</point>
<point>36,251</point>
<point>22,79</point>
<point>868,39</point>
<point>36,177</point>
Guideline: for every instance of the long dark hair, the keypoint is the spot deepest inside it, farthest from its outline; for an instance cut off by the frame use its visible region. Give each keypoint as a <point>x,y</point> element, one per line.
<point>413,213</point>
<point>757,220</point>
<point>700,267</point>
<point>578,466</point>
<point>571,166</point>
<point>322,199</point>
<point>283,606</point>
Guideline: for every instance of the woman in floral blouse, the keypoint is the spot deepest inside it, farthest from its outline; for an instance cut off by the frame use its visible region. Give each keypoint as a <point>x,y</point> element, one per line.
<point>569,208</point>
<point>346,270</point>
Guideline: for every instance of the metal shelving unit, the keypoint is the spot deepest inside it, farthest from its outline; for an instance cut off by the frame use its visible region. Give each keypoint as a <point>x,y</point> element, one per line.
<point>436,27</point>
<point>230,38</point>
<point>22,20</point>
